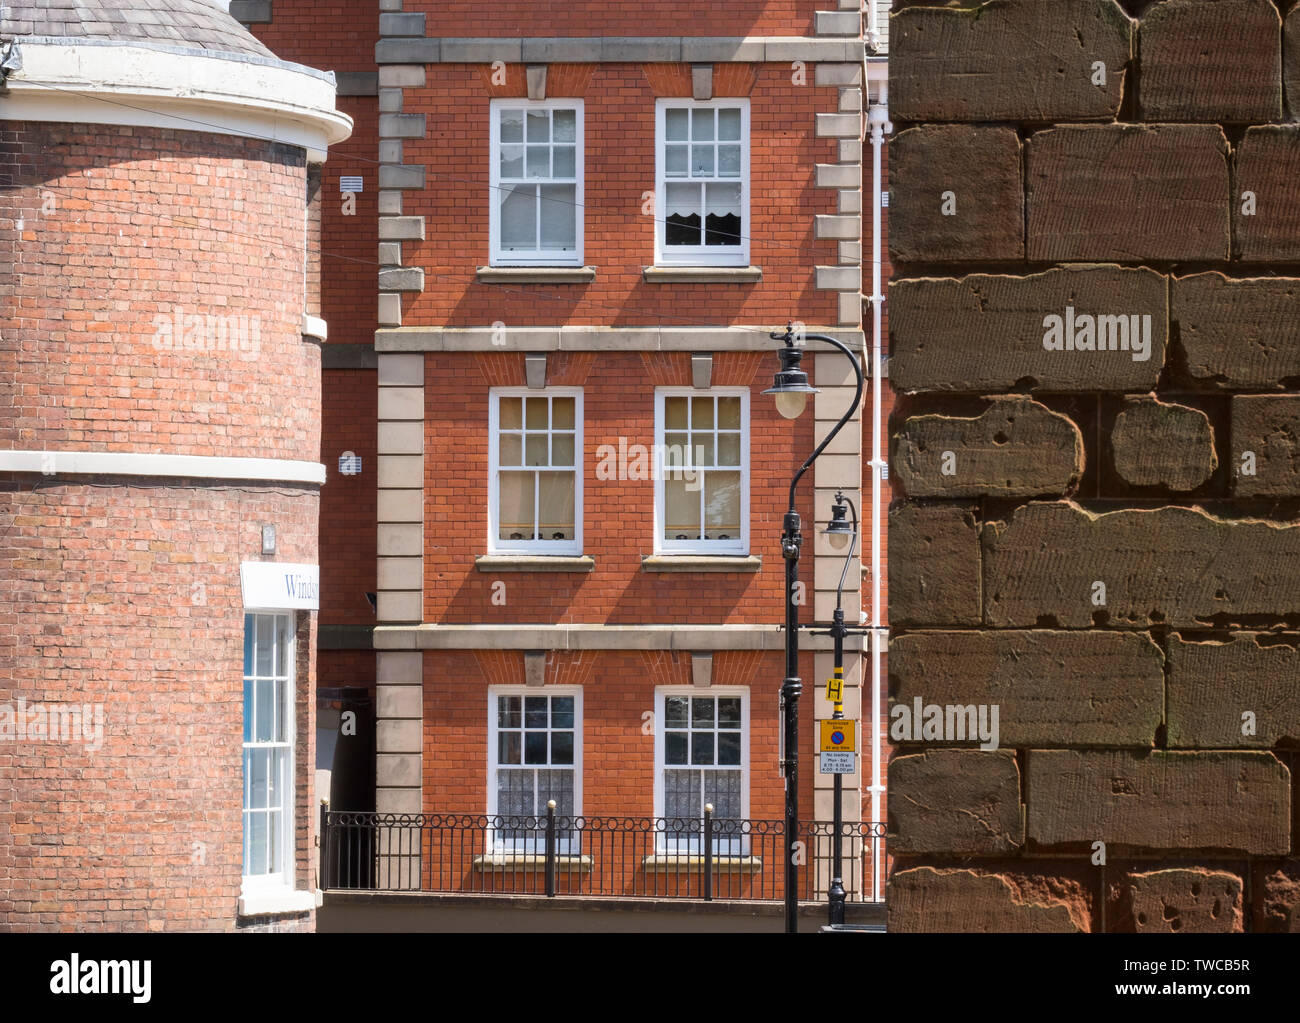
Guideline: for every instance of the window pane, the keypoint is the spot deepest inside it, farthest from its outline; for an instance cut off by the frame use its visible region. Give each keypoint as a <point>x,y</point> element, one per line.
<point>675,708</point>
<point>564,123</point>
<point>557,785</point>
<point>283,644</point>
<point>675,122</point>
<point>265,636</point>
<point>512,125</point>
<point>728,712</point>
<point>701,161</point>
<point>516,513</point>
<point>722,789</point>
<point>508,711</point>
<point>728,161</point>
<point>256,862</point>
<point>515,793</point>
<point>249,629</point>
<point>534,747</point>
<point>538,413</point>
<point>511,449</point>
<point>701,413</point>
<point>539,126</point>
<point>729,413</point>
<point>722,504</point>
<point>722,224</point>
<point>702,125</point>
<point>682,794</point>
<point>561,747</point>
<point>519,217</point>
<point>535,449</point>
<point>556,511</point>
<point>565,162</point>
<point>729,747</point>
<point>729,125</point>
<point>562,712</point>
<point>282,711</point>
<point>677,449</point>
<point>512,161</point>
<point>683,215</point>
<point>265,721</point>
<point>728,449</point>
<point>675,413</point>
<point>559,223</point>
<point>508,744</point>
<point>259,782</point>
<point>539,161</point>
<point>562,449</point>
<point>675,748</point>
<point>511,416</point>
<point>562,413</point>
<point>249,710</point>
<point>701,747</point>
<point>676,161</point>
<point>681,509</point>
<point>702,713</point>
<point>535,712</point>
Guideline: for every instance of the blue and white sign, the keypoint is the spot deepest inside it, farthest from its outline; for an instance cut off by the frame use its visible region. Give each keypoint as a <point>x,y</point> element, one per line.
<point>277,585</point>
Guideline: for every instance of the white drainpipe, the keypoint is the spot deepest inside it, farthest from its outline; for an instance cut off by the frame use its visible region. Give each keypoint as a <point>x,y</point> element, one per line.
<point>878,119</point>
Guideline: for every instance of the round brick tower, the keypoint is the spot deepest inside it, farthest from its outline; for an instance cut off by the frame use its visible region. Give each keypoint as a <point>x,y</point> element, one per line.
<point>159,469</point>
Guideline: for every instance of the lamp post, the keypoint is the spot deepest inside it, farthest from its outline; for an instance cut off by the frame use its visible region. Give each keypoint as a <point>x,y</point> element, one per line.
<point>840,534</point>
<point>790,388</point>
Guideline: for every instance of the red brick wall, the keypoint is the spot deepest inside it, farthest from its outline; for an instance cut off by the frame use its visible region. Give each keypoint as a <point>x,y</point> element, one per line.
<point>349,410</point>
<point>127,594</point>
<point>618,401</point>
<point>619,104</point>
<point>332,35</point>
<point>601,18</point>
<point>122,227</point>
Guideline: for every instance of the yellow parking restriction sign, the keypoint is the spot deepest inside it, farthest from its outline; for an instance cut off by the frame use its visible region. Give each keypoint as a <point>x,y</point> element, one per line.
<point>839,736</point>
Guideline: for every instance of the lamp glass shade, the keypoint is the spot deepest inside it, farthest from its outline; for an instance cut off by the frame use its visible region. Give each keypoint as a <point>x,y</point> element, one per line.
<point>791,403</point>
<point>838,539</point>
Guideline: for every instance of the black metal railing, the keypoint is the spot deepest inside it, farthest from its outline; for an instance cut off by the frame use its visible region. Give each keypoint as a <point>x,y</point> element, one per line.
<point>592,856</point>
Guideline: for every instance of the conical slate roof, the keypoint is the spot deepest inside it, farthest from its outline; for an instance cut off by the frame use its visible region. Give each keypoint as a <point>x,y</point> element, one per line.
<point>191,24</point>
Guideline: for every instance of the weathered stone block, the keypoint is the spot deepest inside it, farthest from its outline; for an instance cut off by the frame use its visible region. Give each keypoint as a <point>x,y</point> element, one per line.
<point>957,194</point>
<point>1266,195</point>
<point>1266,445</point>
<point>955,801</point>
<point>1179,566</point>
<point>1050,687</point>
<point>1013,60</point>
<point>1234,802</point>
<point>1238,334</point>
<point>1015,448</point>
<point>1128,192</point>
<point>1244,692</point>
<point>934,565</point>
<point>992,332</point>
<point>926,899</point>
<point>1156,444</point>
<point>1193,900</point>
<point>1211,60</point>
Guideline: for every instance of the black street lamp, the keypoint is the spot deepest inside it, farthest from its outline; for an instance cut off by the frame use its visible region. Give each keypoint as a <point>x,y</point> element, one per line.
<point>791,389</point>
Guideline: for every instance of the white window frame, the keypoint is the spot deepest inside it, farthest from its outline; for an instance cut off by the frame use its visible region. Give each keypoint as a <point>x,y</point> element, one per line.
<point>543,257</point>
<point>496,843</point>
<point>549,547</point>
<point>281,881</point>
<point>663,545</point>
<point>700,255</point>
<point>732,845</point>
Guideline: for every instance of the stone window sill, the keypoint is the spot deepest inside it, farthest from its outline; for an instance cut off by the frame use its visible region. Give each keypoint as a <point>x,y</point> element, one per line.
<point>702,274</point>
<point>701,563</point>
<point>278,903</point>
<point>535,274</point>
<point>667,863</point>
<point>501,863</point>
<point>535,563</point>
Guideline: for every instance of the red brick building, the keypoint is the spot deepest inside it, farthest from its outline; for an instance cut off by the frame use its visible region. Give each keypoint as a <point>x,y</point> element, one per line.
<point>160,349</point>
<point>589,220</point>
